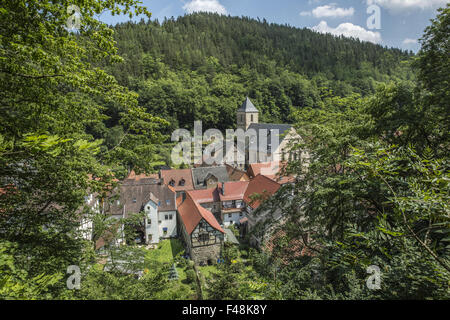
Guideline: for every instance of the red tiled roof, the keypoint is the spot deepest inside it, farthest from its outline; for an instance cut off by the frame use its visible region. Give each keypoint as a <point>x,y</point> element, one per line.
<point>260,185</point>
<point>192,213</point>
<point>256,168</point>
<point>179,200</point>
<point>233,190</point>
<point>205,195</point>
<point>177,175</point>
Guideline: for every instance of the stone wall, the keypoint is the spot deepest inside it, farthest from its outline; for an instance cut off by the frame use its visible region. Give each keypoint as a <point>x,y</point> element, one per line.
<point>204,253</point>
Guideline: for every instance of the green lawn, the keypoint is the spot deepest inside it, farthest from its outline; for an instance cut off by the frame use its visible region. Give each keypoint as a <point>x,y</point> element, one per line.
<point>166,252</point>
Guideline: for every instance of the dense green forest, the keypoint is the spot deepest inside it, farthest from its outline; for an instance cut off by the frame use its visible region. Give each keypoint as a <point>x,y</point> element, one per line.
<point>79,109</point>
<point>201,66</point>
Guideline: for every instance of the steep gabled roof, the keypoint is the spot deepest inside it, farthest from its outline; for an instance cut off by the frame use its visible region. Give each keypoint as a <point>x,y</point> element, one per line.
<point>247,106</point>
<point>192,213</point>
<point>260,185</point>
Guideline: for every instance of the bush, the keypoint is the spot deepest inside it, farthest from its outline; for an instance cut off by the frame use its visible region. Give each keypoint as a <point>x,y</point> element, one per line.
<point>190,276</point>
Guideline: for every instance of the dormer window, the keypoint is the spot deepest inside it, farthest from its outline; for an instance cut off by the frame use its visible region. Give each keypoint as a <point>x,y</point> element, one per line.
<point>182,182</point>
<point>172,183</point>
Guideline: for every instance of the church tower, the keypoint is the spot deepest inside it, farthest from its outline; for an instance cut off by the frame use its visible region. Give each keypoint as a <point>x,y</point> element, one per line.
<point>246,115</point>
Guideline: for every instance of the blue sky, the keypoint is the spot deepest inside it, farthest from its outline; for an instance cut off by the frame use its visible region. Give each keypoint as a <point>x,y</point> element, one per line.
<point>400,23</point>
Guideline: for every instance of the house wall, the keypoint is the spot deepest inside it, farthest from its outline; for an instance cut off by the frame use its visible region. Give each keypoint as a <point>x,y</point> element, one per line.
<point>235,217</point>
<point>185,237</point>
<point>202,252</point>
<point>151,223</point>
<point>170,224</point>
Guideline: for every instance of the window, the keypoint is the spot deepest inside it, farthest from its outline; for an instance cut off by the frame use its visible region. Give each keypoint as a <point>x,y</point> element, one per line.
<point>230,215</point>
<point>204,237</point>
<point>251,118</point>
<point>134,200</point>
<point>168,202</point>
<point>170,217</point>
<point>149,237</point>
<point>149,221</point>
<point>159,203</point>
<point>166,217</point>
<point>240,214</point>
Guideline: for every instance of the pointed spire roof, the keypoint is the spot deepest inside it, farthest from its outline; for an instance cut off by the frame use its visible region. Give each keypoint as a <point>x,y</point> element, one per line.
<point>248,106</point>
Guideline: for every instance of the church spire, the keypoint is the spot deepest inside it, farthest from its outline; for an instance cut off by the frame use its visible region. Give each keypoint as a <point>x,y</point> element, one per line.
<point>248,106</point>
<point>247,114</point>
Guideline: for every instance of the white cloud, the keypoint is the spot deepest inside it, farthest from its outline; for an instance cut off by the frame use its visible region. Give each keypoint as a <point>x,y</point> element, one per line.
<point>408,41</point>
<point>400,5</point>
<point>204,6</point>
<point>349,30</point>
<point>331,11</point>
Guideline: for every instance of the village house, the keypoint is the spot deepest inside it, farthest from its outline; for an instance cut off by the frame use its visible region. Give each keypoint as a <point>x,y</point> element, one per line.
<point>231,196</point>
<point>200,232</point>
<point>153,197</point>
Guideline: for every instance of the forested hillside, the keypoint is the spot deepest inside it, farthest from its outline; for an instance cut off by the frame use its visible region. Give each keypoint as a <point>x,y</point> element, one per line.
<point>201,66</point>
